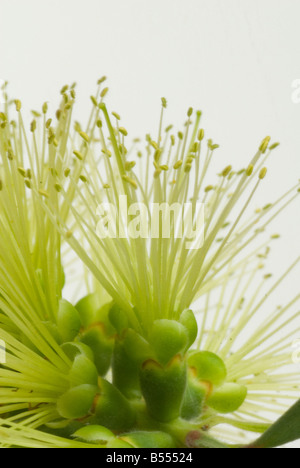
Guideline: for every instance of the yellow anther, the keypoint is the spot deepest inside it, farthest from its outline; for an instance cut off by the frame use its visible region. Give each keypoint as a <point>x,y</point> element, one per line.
<point>18,105</point>
<point>58,187</point>
<point>226,171</point>
<point>84,136</point>
<point>22,171</point>
<point>262,173</point>
<point>28,183</point>
<point>104,92</point>
<point>164,102</point>
<point>178,164</point>
<point>103,78</point>
<point>43,193</point>
<point>208,188</point>
<point>116,115</point>
<point>264,144</point>
<point>83,178</point>
<point>106,186</point>
<point>274,145</point>
<point>129,165</point>
<point>94,100</point>
<point>123,131</point>
<point>78,155</point>
<point>130,181</point>
<point>45,108</point>
<point>64,89</point>
<point>164,167</point>
<point>200,134</point>
<point>67,171</point>
<point>190,111</point>
<point>48,123</point>
<point>33,126</point>
<point>249,170</point>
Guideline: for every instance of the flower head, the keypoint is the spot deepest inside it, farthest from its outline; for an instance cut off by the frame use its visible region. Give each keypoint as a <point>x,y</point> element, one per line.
<point>157,236</point>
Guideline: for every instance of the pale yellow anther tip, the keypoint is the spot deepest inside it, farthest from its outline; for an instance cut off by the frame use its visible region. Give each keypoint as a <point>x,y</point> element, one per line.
<point>262,173</point>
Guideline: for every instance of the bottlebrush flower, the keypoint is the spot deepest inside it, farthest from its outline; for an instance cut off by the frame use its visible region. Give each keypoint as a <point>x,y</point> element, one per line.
<point>158,236</point>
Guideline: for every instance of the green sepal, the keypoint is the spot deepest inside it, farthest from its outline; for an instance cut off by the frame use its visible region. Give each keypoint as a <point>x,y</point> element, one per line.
<point>83,371</point>
<point>149,439</point>
<point>188,320</point>
<point>163,387</point>
<point>76,402</point>
<point>208,366</point>
<point>92,310</point>
<point>101,345</point>
<point>194,397</point>
<point>136,347</point>
<point>125,371</point>
<point>167,338</point>
<point>112,409</point>
<point>73,349</point>
<point>118,318</point>
<point>94,434</point>
<point>68,321</point>
<point>227,398</point>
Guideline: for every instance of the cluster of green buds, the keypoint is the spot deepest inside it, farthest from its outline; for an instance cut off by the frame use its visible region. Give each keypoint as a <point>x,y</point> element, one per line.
<point>156,382</point>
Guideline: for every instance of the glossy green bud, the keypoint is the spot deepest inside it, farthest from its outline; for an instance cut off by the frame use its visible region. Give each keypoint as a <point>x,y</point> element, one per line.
<point>76,402</point>
<point>208,366</point>
<point>136,347</point>
<point>167,338</point>
<point>102,346</point>
<point>94,434</point>
<point>125,371</point>
<point>118,318</point>
<point>68,321</point>
<point>83,371</point>
<point>163,387</point>
<point>227,398</point>
<point>112,409</point>
<point>149,439</point>
<point>188,320</point>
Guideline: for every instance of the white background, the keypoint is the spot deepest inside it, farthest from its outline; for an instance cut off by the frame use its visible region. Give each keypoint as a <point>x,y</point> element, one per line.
<point>235,60</point>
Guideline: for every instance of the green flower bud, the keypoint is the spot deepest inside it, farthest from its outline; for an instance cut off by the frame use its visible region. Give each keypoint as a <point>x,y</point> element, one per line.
<point>136,347</point>
<point>227,398</point>
<point>163,387</point>
<point>125,371</point>
<point>188,320</point>
<point>94,434</point>
<point>149,439</point>
<point>92,310</point>
<point>167,338</point>
<point>101,345</point>
<point>68,321</point>
<point>76,402</point>
<point>112,409</point>
<point>208,367</point>
<point>83,371</point>
<point>118,318</point>
<point>73,349</point>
